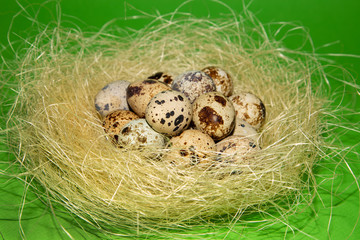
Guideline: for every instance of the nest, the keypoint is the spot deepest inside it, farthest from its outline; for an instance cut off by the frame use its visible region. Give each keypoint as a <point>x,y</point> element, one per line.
<point>59,139</point>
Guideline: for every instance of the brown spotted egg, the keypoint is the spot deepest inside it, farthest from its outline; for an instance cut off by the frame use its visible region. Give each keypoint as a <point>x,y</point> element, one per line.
<point>242,128</point>
<point>114,121</point>
<point>169,112</point>
<point>139,94</point>
<point>236,149</point>
<point>214,115</point>
<point>162,77</point>
<point>138,133</point>
<point>250,108</point>
<point>112,97</point>
<point>193,84</point>
<point>190,148</point>
<point>223,81</point>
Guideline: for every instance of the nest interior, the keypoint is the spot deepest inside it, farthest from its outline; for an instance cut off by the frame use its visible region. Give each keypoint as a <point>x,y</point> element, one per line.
<point>58,137</point>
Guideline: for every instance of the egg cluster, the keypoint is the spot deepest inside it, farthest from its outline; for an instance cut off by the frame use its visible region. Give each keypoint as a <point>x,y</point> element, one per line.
<point>195,117</point>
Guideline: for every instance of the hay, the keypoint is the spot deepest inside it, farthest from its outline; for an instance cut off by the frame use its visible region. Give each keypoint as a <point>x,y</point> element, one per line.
<point>58,138</point>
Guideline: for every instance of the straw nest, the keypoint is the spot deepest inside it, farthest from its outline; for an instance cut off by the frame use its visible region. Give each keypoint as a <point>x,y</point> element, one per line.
<point>59,139</point>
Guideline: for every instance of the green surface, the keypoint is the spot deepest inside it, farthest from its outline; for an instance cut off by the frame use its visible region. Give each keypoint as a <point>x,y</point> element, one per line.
<point>331,22</point>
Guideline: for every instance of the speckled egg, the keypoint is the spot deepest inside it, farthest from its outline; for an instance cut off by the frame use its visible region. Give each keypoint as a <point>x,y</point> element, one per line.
<point>114,121</point>
<point>190,148</point>
<point>139,94</point>
<point>249,108</point>
<point>222,79</point>
<point>236,148</point>
<point>138,133</point>
<point>169,112</point>
<point>214,115</point>
<point>242,128</point>
<point>112,97</point>
<point>162,77</point>
<point>193,84</point>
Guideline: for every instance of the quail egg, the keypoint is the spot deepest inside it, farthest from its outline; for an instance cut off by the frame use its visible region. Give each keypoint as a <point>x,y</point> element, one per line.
<point>250,108</point>
<point>236,149</point>
<point>214,115</point>
<point>112,97</point>
<point>242,128</point>
<point>169,112</point>
<point>114,121</point>
<point>234,155</point>
<point>190,148</point>
<point>162,77</point>
<point>139,94</point>
<point>193,84</point>
<point>222,80</point>
<point>138,133</point>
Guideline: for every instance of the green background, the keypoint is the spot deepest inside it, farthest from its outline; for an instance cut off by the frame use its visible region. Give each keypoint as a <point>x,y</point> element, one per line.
<point>334,27</point>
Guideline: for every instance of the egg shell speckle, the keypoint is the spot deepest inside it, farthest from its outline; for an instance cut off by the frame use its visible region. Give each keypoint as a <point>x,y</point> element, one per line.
<point>193,84</point>
<point>112,97</point>
<point>250,108</point>
<point>242,128</point>
<point>138,133</point>
<point>162,77</point>
<point>139,94</point>
<point>190,148</point>
<point>214,115</point>
<point>169,112</point>
<point>114,121</point>
<point>223,81</point>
